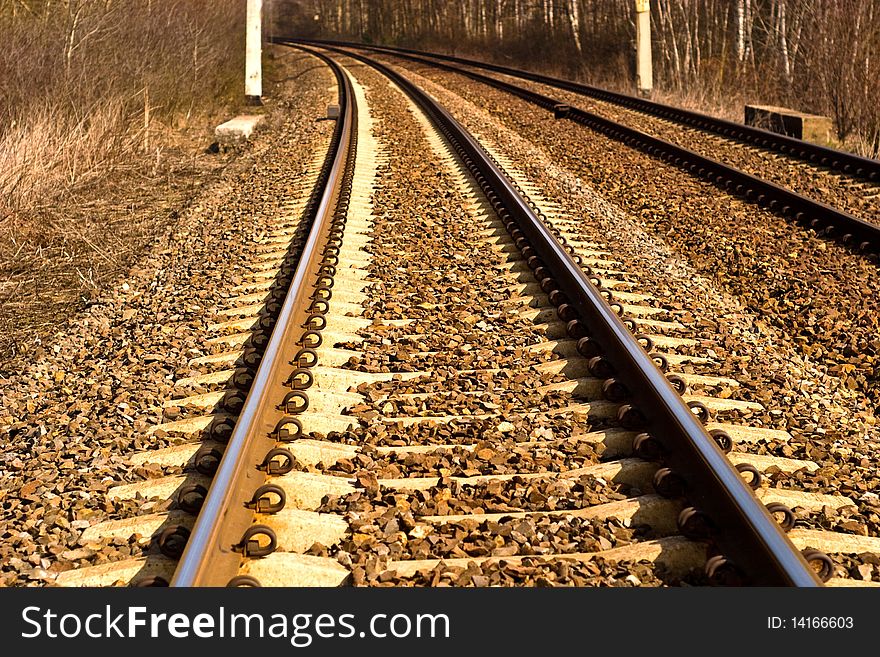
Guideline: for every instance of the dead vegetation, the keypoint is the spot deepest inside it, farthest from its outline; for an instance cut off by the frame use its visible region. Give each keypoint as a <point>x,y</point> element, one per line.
<point>107,109</point>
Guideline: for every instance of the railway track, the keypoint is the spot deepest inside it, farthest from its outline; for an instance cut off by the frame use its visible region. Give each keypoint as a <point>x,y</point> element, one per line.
<point>830,158</point>
<point>830,191</point>
<point>458,388</point>
<point>835,160</point>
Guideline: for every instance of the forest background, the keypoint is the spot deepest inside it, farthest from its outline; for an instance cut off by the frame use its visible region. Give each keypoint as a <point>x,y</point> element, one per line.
<point>820,56</point>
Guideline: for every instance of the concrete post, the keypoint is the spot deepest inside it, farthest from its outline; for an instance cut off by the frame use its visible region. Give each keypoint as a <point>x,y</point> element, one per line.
<point>644,66</point>
<point>253,71</point>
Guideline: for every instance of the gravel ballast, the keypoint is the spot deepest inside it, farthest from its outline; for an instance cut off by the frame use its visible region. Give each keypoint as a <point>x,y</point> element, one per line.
<point>70,419</point>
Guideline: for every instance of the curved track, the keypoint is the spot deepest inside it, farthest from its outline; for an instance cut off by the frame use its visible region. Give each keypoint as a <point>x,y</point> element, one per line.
<point>371,448</point>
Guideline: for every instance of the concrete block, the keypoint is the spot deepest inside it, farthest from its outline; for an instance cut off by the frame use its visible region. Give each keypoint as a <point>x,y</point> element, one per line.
<point>809,127</point>
<point>241,127</point>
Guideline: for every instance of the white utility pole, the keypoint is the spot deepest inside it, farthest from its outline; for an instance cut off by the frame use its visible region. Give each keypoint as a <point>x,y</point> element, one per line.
<point>253,69</point>
<point>644,67</point>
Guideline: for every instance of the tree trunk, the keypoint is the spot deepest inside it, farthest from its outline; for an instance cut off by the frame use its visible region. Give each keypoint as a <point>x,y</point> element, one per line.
<point>740,13</point>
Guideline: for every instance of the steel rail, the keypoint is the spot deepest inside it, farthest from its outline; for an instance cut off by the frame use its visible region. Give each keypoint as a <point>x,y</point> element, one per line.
<point>837,160</point>
<point>825,219</point>
<point>740,524</point>
<point>213,552</point>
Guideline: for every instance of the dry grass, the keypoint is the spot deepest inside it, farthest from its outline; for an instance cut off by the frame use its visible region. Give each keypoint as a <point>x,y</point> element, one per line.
<point>88,85</point>
<point>47,155</point>
<point>107,109</point>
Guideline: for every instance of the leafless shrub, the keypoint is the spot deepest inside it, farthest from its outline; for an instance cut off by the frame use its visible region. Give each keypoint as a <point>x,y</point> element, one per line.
<point>77,76</point>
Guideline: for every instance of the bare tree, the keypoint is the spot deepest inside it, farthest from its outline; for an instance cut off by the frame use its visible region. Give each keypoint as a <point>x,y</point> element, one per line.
<point>770,50</point>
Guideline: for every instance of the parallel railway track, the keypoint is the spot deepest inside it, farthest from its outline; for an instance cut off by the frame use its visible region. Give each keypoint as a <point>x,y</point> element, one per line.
<point>566,421</point>
<point>836,160</point>
<point>814,210</point>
